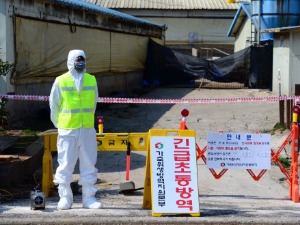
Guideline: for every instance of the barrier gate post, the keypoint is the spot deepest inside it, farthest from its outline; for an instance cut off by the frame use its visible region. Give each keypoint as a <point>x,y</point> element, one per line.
<point>294,185</point>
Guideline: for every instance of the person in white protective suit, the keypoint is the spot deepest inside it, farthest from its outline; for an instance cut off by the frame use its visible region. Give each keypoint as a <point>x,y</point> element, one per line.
<point>73,100</point>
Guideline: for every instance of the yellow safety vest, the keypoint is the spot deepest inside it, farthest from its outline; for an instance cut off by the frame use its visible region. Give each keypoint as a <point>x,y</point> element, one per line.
<point>76,110</point>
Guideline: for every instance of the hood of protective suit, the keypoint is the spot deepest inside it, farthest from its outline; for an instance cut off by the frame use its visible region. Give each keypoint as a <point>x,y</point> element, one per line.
<point>73,54</point>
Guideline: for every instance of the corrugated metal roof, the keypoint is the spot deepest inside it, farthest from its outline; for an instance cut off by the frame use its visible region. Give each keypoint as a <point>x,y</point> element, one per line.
<point>86,5</point>
<point>168,4</point>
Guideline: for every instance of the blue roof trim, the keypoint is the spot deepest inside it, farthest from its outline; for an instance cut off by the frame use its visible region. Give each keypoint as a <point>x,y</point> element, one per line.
<point>99,9</point>
<point>244,6</point>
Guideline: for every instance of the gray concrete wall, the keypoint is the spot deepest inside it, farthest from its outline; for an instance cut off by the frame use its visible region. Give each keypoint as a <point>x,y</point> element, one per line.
<point>281,64</point>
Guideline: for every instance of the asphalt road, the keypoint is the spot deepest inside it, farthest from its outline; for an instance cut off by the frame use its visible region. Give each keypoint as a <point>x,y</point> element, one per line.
<point>235,198</point>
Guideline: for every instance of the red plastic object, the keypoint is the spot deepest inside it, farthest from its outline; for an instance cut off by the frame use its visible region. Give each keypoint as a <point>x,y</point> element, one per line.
<point>185,112</point>
<point>100,119</point>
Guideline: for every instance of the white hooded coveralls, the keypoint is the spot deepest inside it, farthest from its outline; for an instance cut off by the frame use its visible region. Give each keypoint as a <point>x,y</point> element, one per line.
<point>74,144</point>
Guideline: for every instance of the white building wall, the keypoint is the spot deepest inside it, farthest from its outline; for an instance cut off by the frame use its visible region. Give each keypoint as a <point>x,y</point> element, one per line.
<point>286,62</point>
<point>243,38</point>
<point>295,60</point>
<point>205,26</point>
<point>281,64</point>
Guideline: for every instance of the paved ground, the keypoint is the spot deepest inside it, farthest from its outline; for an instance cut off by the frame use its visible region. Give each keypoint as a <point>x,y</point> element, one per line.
<point>234,199</point>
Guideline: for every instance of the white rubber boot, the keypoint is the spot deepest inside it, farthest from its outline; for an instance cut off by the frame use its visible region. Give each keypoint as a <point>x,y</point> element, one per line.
<point>66,196</point>
<point>88,197</point>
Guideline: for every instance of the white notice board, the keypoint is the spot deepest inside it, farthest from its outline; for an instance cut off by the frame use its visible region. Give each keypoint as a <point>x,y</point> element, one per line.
<point>174,175</point>
<point>238,150</point>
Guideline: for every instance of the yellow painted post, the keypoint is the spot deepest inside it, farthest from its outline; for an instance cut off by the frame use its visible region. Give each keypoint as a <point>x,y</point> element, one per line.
<point>100,120</point>
<point>147,203</point>
<point>47,177</point>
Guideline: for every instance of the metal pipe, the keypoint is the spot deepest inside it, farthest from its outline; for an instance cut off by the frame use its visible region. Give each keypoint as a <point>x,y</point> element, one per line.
<point>259,17</point>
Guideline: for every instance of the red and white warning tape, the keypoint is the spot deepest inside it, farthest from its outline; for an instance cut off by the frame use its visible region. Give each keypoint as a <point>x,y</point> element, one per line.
<point>26,97</point>
<point>194,101</point>
<point>161,101</point>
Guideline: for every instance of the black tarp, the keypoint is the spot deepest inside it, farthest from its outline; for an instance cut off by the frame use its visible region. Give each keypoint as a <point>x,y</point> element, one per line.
<point>251,66</point>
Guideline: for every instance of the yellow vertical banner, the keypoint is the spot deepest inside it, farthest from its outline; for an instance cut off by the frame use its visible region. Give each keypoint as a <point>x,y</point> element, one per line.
<point>171,168</point>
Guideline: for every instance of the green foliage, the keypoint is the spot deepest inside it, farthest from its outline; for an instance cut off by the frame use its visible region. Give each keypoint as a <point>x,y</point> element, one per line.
<point>278,126</point>
<point>3,112</point>
<point>5,67</point>
<point>30,132</point>
<point>285,162</point>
